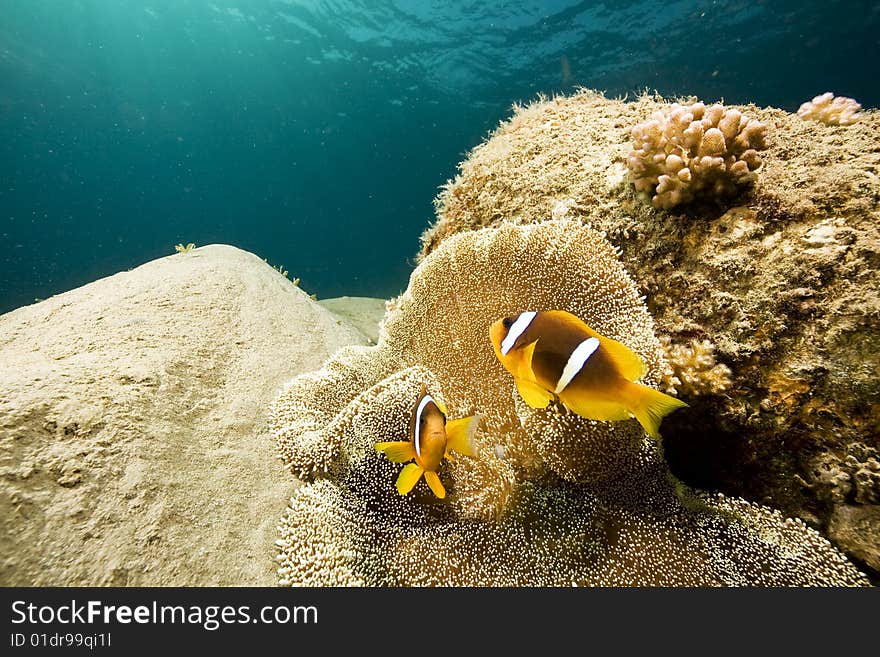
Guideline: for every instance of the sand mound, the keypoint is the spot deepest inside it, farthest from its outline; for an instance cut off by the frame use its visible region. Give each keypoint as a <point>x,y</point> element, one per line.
<point>364,313</point>
<point>132,440</point>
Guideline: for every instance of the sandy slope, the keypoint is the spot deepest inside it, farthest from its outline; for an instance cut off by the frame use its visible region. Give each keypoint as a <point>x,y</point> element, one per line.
<point>132,410</point>
<point>364,313</point>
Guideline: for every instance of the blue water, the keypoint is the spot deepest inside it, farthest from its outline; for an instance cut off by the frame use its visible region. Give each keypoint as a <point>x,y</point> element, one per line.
<point>316,134</point>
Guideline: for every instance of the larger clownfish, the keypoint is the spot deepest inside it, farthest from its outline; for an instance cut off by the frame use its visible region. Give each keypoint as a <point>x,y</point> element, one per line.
<point>554,356</point>
<point>431,438</point>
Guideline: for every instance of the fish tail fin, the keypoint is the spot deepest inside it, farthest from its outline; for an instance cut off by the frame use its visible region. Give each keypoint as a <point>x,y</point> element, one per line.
<point>460,434</point>
<point>650,406</point>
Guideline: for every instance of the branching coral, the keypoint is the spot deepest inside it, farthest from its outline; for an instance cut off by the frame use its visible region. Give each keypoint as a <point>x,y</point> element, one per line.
<point>831,110</point>
<point>695,152</point>
<point>692,368</point>
<point>510,518</point>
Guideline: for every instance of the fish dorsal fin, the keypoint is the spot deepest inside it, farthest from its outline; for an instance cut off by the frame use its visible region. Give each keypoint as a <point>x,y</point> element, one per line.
<point>632,367</point>
<point>630,364</point>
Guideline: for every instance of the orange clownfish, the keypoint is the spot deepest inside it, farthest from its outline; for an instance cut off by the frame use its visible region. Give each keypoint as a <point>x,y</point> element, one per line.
<point>554,356</point>
<point>431,438</point>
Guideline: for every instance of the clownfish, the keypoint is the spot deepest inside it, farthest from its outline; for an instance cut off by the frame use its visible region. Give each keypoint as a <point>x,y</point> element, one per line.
<point>554,356</point>
<point>431,438</point>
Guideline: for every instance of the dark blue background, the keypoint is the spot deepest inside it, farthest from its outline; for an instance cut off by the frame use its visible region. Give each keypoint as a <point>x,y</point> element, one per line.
<point>316,134</point>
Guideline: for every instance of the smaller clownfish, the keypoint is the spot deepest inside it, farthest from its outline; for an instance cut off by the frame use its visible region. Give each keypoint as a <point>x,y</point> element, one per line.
<point>431,438</point>
<point>554,356</point>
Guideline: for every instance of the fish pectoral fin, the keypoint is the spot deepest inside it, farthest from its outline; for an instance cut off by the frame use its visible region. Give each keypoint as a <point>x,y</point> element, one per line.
<point>397,451</point>
<point>409,477</point>
<point>435,484</point>
<point>460,434</point>
<point>533,394</point>
<point>524,369</point>
<point>593,407</point>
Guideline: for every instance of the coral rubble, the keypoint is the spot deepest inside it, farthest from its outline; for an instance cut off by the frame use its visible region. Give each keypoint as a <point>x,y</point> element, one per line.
<point>783,288</point>
<point>548,498</point>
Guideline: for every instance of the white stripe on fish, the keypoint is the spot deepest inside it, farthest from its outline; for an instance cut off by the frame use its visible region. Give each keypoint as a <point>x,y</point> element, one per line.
<point>427,399</point>
<point>519,326</point>
<point>576,362</point>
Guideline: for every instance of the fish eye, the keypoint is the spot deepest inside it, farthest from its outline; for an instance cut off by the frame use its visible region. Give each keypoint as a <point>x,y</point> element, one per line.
<point>507,322</point>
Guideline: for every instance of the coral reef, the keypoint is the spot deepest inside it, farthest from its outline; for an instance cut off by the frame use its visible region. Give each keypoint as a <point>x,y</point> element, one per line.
<point>831,110</point>
<point>548,498</point>
<point>786,285</point>
<point>694,152</point>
